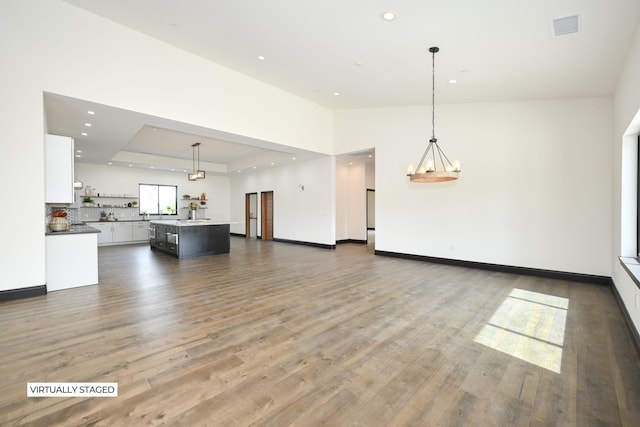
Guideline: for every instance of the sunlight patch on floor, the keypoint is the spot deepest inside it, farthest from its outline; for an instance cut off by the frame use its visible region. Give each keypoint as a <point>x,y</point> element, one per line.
<point>530,326</point>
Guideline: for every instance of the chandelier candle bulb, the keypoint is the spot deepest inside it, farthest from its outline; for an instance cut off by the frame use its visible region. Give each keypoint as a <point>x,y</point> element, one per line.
<point>430,166</point>
<point>410,169</point>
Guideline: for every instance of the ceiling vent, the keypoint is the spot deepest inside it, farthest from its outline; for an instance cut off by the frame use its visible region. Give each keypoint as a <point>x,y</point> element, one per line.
<point>566,25</point>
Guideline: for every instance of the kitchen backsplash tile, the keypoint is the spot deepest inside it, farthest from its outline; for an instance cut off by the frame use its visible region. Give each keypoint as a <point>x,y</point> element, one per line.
<point>81,214</point>
<point>93,214</point>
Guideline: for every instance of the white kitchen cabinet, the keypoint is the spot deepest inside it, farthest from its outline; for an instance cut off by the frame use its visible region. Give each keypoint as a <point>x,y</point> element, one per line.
<point>122,232</point>
<point>71,261</point>
<point>58,169</point>
<point>113,232</point>
<point>105,235</point>
<point>140,231</point>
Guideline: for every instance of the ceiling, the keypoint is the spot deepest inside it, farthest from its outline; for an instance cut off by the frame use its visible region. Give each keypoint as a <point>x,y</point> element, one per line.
<point>127,138</point>
<point>342,54</point>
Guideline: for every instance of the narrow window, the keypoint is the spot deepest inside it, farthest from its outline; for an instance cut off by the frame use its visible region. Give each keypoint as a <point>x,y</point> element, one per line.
<point>638,198</point>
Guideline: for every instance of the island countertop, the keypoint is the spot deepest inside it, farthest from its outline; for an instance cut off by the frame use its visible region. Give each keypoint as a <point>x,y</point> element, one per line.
<point>190,222</point>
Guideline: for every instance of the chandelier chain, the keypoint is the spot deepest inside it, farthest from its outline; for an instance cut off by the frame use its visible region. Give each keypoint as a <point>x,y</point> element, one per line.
<point>433,95</point>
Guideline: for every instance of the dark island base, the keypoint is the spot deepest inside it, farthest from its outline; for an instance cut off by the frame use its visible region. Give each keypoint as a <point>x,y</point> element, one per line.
<point>192,241</point>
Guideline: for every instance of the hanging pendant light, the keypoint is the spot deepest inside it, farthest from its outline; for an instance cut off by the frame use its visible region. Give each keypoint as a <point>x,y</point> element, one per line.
<point>434,166</point>
<point>197,173</point>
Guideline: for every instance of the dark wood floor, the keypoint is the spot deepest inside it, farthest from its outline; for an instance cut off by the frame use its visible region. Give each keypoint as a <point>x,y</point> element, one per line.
<point>276,334</point>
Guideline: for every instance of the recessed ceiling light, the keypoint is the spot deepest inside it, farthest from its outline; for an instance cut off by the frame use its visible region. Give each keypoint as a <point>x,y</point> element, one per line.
<point>84,134</point>
<point>357,64</point>
<point>130,166</point>
<point>336,93</point>
<point>388,16</point>
<point>273,163</point>
<point>293,158</point>
<point>152,167</point>
<point>261,58</point>
<point>452,81</point>
<point>91,112</point>
<point>78,151</point>
<point>238,171</point>
<point>88,125</point>
<point>173,170</point>
<point>255,167</point>
<point>109,163</point>
<point>78,155</point>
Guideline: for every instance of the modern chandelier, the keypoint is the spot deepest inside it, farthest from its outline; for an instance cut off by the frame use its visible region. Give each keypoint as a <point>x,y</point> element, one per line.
<point>434,165</point>
<point>197,173</point>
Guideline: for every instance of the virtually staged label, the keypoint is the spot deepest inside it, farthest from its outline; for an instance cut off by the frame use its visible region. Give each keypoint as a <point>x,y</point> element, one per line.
<point>72,389</point>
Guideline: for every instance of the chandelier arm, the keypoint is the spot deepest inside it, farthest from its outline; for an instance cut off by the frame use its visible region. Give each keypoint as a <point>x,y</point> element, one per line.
<point>442,154</point>
<point>424,155</point>
<point>433,153</point>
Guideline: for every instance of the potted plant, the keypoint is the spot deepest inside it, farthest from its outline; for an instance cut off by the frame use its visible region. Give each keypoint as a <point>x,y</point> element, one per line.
<point>88,202</point>
<point>186,196</point>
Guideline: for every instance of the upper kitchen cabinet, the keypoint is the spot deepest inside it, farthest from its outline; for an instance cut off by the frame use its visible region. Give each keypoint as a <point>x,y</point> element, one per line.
<point>58,169</point>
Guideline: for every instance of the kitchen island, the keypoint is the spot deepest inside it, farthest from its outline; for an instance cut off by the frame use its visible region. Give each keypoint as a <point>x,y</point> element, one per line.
<point>190,238</point>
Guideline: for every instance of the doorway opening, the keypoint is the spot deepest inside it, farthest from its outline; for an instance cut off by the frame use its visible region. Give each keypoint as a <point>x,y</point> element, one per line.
<point>371,215</point>
<point>251,215</point>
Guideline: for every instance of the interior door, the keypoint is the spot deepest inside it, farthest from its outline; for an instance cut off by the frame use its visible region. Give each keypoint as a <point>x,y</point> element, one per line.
<point>267,215</point>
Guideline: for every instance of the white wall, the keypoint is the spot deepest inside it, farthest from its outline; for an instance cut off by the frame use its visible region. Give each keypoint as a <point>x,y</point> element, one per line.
<point>534,190</point>
<point>305,216</point>
<point>370,176</point>
<point>49,45</point>
<point>117,180</point>
<point>626,129</point>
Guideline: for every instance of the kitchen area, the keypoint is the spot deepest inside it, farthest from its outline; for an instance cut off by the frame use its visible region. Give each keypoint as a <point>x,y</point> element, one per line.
<point>89,206</point>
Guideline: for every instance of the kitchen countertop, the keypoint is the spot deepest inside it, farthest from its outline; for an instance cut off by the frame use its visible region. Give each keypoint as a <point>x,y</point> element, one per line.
<point>118,220</point>
<point>75,229</point>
